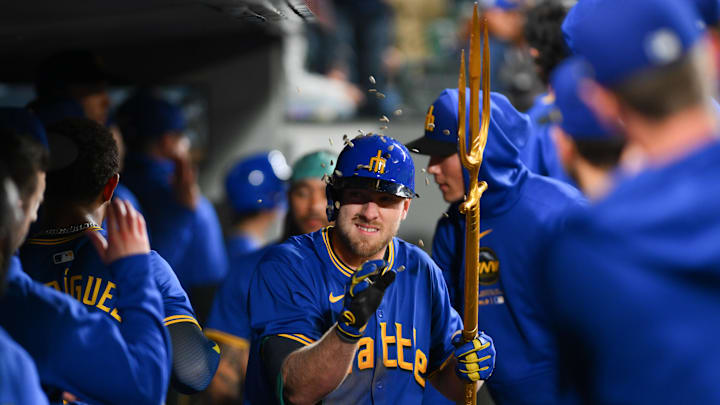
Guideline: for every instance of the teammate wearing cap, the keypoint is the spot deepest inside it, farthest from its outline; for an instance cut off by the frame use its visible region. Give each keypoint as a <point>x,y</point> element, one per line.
<point>519,211</point>
<point>352,314</point>
<point>589,150</point>
<point>229,320</point>
<point>635,278</point>
<point>256,190</point>
<point>60,254</point>
<point>183,225</point>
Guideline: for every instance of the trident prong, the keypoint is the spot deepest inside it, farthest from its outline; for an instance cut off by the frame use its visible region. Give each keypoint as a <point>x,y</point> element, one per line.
<point>472,160</point>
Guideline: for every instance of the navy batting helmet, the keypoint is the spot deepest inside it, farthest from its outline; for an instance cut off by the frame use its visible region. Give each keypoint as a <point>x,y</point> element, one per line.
<point>375,162</point>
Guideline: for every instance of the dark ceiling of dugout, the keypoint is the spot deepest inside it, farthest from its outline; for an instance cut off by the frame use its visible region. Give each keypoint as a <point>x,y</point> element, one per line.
<point>140,40</point>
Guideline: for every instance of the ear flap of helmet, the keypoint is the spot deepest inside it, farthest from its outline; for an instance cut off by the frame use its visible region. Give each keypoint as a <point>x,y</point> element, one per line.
<point>331,210</point>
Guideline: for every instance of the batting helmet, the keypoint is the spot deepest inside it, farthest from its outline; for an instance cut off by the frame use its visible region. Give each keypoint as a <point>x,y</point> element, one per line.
<point>258,182</point>
<point>375,162</point>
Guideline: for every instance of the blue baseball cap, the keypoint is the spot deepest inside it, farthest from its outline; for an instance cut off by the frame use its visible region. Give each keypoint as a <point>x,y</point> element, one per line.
<point>577,119</point>
<point>258,182</point>
<point>24,123</point>
<point>621,38</point>
<point>147,116</point>
<point>441,123</point>
<point>709,11</point>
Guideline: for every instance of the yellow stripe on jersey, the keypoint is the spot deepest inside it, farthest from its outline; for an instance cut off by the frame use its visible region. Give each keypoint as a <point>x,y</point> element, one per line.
<point>298,338</point>
<point>338,264</point>
<point>180,318</point>
<point>343,268</point>
<point>226,338</point>
<point>59,241</point>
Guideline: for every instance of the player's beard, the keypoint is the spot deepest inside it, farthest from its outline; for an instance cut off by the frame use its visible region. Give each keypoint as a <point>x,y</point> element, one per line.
<point>362,245</point>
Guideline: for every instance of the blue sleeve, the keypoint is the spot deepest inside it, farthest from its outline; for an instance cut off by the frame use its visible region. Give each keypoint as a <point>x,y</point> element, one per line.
<point>91,355</point>
<point>176,303</point>
<point>229,321</point>
<point>282,301</point>
<point>19,381</point>
<point>206,257</point>
<point>445,254</point>
<point>445,321</point>
<point>124,193</point>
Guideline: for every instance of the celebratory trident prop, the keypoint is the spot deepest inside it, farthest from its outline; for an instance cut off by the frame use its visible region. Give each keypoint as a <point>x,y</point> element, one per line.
<point>472,159</point>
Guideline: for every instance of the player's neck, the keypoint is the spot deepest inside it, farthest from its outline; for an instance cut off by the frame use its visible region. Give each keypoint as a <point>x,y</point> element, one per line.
<point>676,136</point>
<point>60,216</point>
<point>346,255</point>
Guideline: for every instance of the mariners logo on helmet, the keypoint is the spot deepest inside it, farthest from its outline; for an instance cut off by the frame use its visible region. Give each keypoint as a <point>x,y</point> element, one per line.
<point>375,162</point>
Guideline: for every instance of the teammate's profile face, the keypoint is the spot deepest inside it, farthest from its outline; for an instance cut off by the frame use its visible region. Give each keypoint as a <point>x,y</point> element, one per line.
<point>447,171</point>
<point>368,220</point>
<point>307,204</point>
<point>30,205</point>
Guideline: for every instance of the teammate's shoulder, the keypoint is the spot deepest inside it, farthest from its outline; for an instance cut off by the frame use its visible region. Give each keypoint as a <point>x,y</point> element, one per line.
<point>553,193</point>
<point>293,248</point>
<point>412,255</point>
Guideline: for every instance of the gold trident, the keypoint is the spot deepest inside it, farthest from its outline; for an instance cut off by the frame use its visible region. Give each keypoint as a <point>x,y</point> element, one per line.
<point>472,160</point>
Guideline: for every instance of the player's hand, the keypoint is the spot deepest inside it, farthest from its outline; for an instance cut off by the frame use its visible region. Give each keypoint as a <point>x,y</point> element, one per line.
<point>475,359</point>
<point>363,295</point>
<point>184,182</point>
<point>127,234</point>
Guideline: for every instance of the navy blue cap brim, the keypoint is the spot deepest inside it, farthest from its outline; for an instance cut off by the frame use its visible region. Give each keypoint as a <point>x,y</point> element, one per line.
<point>432,147</point>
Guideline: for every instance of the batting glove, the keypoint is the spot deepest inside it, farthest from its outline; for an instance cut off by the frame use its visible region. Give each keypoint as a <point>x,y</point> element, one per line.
<point>363,295</point>
<point>475,359</point>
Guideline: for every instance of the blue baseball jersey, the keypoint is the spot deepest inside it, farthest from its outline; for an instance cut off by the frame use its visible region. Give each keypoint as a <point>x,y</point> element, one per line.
<point>71,264</point>
<point>190,240</point>
<point>229,319</point>
<point>540,154</point>
<point>297,292</point>
<point>242,244</point>
<point>86,352</point>
<point>634,288</point>
<point>19,382</point>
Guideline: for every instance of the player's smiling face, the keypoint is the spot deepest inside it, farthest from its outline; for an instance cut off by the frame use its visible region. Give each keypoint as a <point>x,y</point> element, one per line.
<point>368,220</point>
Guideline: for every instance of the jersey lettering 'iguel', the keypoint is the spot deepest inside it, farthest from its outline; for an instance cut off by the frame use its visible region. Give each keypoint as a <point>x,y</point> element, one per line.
<point>297,293</point>
<point>70,264</point>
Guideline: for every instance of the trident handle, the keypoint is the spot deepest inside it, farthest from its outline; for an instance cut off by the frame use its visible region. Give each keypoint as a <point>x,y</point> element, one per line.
<point>472,160</point>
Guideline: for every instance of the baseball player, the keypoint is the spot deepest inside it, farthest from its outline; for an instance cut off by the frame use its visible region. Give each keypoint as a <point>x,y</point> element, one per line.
<point>183,225</point>
<point>519,211</point>
<point>19,381</point>
<point>257,193</point>
<point>589,150</point>
<point>229,320</point>
<point>635,277</point>
<point>61,256</point>
<point>136,349</point>
<point>544,37</point>
<point>352,314</point>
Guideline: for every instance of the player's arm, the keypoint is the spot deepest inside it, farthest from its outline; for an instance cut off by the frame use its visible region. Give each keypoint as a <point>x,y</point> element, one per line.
<point>93,356</point>
<point>312,372</point>
<point>472,363</point>
<point>462,363</point>
<point>195,358</point>
<point>229,325</point>
<point>227,385</point>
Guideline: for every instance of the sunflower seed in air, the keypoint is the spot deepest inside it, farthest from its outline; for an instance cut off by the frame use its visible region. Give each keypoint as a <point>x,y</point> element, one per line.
<point>398,112</point>
<point>372,79</point>
<point>384,119</point>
